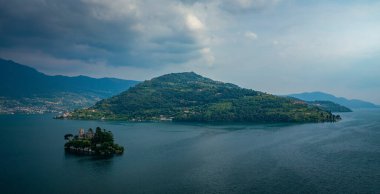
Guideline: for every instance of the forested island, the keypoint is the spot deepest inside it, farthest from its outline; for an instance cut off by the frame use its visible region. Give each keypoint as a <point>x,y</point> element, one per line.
<point>99,143</point>
<point>190,97</point>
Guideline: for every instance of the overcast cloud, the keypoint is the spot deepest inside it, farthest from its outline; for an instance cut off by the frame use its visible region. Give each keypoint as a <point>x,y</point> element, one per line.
<point>276,46</point>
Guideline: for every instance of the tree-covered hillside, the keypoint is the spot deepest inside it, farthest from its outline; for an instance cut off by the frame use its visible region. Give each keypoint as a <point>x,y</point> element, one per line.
<point>329,106</point>
<point>191,97</point>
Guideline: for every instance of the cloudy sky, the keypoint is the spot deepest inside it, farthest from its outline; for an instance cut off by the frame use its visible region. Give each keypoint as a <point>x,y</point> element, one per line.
<point>276,46</point>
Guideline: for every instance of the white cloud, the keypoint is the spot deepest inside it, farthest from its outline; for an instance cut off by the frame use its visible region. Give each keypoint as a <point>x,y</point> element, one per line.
<point>208,56</point>
<point>251,35</point>
<point>328,35</point>
<point>193,23</point>
<point>239,6</point>
<point>255,3</point>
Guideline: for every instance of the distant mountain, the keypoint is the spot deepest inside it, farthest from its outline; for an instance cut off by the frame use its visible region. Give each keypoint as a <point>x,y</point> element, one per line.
<point>320,96</point>
<point>17,80</point>
<point>191,97</point>
<point>23,86</point>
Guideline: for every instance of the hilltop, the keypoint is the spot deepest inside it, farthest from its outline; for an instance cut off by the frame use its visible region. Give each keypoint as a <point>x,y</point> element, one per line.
<point>191,97</point>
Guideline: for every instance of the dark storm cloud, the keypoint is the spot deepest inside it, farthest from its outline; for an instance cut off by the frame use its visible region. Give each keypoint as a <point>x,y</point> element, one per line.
<point>88,31</point>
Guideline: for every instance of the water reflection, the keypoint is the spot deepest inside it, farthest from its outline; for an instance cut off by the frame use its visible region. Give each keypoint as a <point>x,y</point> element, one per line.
<point>98,162</point>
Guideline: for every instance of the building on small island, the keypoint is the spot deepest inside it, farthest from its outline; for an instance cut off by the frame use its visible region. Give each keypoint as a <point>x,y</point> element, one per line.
<point>99,143</point>
<point>86,135</point>
<point>81,133</point>
<point>89,134</point>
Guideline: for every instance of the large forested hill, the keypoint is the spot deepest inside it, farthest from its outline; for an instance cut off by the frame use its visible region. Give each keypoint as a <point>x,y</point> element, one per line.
<point>191,97</point>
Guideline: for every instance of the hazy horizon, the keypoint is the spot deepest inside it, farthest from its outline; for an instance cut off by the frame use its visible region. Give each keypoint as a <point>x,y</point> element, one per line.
<point>274,46</point>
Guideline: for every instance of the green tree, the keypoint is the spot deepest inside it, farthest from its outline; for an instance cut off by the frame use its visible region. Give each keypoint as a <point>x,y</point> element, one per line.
<point>68,136</point>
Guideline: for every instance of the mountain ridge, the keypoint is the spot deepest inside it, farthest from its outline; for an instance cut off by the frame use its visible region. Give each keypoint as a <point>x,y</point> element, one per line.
<point>322,96</point>
<point>23,89</point>
<point>23,81</point>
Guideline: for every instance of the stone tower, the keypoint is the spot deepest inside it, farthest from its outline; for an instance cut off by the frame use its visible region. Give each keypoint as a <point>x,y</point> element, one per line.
<point>81,133</point>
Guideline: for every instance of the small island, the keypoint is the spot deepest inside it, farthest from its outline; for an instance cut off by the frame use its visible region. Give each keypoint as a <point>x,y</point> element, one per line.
<point>100,143</point>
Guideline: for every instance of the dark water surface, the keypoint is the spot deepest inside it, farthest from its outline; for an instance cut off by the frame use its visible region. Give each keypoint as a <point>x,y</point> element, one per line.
<point>341,157</point>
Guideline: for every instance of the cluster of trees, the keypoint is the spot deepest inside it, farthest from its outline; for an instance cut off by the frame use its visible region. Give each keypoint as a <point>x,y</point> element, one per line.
<point>101,143</point>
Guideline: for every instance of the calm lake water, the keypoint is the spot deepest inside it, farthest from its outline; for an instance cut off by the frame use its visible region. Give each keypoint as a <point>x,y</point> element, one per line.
<point>341,157</point>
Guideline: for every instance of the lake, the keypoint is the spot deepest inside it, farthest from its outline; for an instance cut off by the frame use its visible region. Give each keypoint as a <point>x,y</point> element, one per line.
<point>342,157</point>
